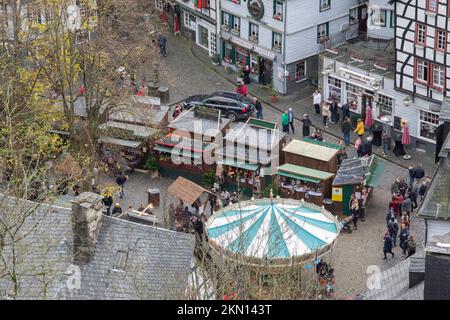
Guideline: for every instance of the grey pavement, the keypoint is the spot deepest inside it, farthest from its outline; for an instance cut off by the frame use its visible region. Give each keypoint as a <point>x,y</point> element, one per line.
<point>190,71</point>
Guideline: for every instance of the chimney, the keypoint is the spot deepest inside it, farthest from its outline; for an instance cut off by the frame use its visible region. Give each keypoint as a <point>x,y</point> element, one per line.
<point>87,217</point>
<point>437,269</point>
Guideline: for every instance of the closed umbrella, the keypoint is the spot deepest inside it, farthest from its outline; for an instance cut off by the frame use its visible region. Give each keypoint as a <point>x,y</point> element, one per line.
<point>369,118</point>
<point>406,139</point>
<point>176,29</point>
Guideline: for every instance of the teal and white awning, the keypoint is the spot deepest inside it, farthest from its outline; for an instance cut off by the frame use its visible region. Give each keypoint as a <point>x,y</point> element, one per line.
<point>280,229</point>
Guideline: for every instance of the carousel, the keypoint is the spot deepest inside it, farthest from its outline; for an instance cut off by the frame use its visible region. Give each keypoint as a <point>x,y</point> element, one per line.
<point>272,232</point>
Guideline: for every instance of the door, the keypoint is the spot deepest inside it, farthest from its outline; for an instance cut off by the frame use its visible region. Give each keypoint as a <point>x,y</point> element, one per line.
<point>362,18</point>
<point>268,70</point>
<point>367,100</point>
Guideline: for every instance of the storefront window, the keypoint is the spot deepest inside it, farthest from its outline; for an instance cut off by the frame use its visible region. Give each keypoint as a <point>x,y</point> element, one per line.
<point>242,57</point>
<point>228,53</point>
<point>352,96</point>
<point>378,17</point>
<point>203,36</point>
<point>353,16</point>
<point>334,86</point>
<point>428,122</point>
<point>254,63</point>
<point>384,105</point>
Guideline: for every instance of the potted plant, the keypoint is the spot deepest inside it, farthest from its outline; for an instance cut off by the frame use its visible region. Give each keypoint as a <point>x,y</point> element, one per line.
<point>273,95</point>
<point>216,59</point>
<point>152,164</point>
<point>208,179</point>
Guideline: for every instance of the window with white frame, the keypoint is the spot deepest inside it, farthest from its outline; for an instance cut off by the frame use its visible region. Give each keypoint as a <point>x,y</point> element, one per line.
<point>438,79</point>
<point>300,71</point>
<point>428,122</point>
<point>253,32</point>
<point>335,88</point>
<point>213,43</point>
<point>276,41</point>
<point>203,36</point>
<point>236,25</point>
<point>378,17</point>
<point>278,10</point>
<point>441,40</point>
<point>189,20</point>
<point>325,5</point>
<point>421,34</point>
<point>322,32</point>
<point>159,4</point>
<point>385,105</point>
<point>422,71</point>
<point>353,16</point>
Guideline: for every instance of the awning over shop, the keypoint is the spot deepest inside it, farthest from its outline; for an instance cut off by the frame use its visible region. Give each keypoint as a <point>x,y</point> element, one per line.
<point>186,190</point>
<point>305,172</point>
<point>375,175</point>
<point>297,176</point>
<point>241,165</point>
<point>179,152</point>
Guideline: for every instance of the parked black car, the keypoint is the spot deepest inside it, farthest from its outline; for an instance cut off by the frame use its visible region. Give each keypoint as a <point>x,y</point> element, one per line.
<point>233,105</point>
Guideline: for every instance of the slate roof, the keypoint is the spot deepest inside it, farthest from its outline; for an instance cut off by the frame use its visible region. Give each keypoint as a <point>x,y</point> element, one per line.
<point>157,260</point>
<point>436,203</point>
<point>351,171</point>
<point>445,110</point>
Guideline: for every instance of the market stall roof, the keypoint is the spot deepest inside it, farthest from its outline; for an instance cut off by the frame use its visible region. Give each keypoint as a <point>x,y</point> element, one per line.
<point>272,229</point>
<point>199,121</point>
<point>310,150</point>
<point>352,171</point>
<point>186,190</point>
<point>238,164</point>
<point>120,142</point>
<point>303,173</point>
<point>136,130</point>
<point>256,133</point>
<point>179,152</point>
<point>244,155</point>
<point>324,143</point>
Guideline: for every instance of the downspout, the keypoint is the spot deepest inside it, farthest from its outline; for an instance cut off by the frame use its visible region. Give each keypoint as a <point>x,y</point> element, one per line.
<point>284,47</point>
<point>219,30</point>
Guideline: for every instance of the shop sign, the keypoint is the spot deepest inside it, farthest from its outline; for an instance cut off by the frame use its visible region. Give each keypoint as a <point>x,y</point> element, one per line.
<point>256,9</point>
<point>337,194</point>
<point>265,53</point>
<point>241,42</point>
<point>357,77</point>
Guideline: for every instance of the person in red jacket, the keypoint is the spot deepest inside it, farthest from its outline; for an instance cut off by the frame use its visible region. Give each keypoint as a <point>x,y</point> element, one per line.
<point>242,89</point>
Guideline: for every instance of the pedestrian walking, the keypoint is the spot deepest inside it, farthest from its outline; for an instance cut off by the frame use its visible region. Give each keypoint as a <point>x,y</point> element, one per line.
<point>291,119</point>
<point>389,216</point>
<point>177,111</point>
<point>404,235</point>
<point>387,246</point>
<point>414,194</point>
<point>345,111</point>
<point>419,173</point>
<point>385,141</point>
<point>394,187</point>
<point>346,129</point>
<point>412,174</point>
<point>393,231</point>
<point>423,190</point>
<point>325,113</point>
<point>354,209</point>
<point>285,122</point>
<point>403,187</point>
<point>108,202</point>
<point>317,100</point>
<point>246,77</point>
<point>258,108</point>
<point>117,209</point>
<point>121,180</point>
<point>162,42</point>
<point>358,147</point>
<point>334,110</point>
<point>242,89</point>
<point>360,128</point>
<point>306,123</point>
<point>410,246</point>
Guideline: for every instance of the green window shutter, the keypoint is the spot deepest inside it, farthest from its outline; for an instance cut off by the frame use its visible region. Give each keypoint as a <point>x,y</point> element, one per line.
<point>231,21</point>
<point>273,38</point>
<point>233,55</point>
<point>328,29</point>
<point>249,29</point>
<point>248,60</point>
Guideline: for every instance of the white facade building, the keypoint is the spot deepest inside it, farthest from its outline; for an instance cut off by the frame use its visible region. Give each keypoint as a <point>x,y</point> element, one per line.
<point>422,64</point>
<point>381,21</point>
<point>280,39</point>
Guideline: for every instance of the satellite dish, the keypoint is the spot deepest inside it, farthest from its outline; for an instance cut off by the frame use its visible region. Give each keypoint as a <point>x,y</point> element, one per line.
<point>73,17</point>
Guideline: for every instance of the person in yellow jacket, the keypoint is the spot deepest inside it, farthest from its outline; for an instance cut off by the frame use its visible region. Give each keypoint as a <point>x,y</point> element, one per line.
<point>360,128</point>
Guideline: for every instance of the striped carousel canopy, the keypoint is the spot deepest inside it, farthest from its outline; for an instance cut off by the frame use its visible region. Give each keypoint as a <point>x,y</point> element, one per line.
<point>277,229</point>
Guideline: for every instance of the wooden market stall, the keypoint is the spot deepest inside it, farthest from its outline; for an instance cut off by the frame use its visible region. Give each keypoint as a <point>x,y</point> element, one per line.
<point>355,176</point>
<point>312,154</point>
<point>249,153</point>
<point>189,147</point>
<point>298,183</point>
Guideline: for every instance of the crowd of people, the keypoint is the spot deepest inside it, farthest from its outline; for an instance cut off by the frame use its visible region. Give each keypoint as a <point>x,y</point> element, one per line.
<point>406,197</point>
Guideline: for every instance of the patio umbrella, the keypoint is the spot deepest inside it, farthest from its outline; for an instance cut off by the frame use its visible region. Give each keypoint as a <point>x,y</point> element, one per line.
<point>176,29</point>
<point>406,138</point>
<point>369,118</point>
